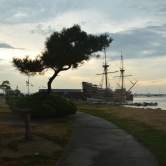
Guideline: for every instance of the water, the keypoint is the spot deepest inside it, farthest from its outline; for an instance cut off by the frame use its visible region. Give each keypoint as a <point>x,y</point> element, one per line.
<point>161,100</point>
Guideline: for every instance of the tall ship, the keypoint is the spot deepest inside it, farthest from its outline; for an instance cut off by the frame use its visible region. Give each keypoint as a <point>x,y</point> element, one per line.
<point>97,93</point>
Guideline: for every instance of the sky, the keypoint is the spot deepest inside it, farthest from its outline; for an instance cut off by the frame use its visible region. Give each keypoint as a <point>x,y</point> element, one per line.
<point>138,29</point>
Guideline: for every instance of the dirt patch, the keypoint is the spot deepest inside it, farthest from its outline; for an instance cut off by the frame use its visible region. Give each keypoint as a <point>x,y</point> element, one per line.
<point>17,147</point>
<point>46,135</point>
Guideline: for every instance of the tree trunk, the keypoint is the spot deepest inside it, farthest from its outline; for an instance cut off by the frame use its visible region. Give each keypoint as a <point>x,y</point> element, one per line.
<point>51,79</point>
<point>28,135</point>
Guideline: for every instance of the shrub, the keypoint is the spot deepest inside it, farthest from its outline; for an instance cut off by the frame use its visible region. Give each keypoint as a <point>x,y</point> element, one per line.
<point>51,107</point>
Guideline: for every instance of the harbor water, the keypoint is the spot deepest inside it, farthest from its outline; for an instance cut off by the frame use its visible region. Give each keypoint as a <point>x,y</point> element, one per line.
<point>161,100</point>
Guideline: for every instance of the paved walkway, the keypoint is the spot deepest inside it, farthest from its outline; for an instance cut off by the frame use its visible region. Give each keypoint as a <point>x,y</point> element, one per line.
<point>97,142</point>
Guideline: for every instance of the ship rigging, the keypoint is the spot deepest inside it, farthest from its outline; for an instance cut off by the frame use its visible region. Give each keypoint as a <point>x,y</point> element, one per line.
<point>108,94</point>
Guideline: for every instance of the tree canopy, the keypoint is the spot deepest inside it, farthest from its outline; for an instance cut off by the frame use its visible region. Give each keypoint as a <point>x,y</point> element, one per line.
<point>66,49</point>
<point>8,91</point>
<point>5,86</point>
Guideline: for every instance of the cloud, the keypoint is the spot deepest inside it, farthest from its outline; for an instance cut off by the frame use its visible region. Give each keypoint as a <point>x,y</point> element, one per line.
<point>137,27</point>
<point>33,11</point>
<point>7,46</point>
<point>42,29</point>
<point>162,10</point>
<point>140,42</point>
<point>4,45</point>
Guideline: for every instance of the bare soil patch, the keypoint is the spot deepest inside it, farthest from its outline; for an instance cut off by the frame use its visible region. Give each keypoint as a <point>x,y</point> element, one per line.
<point>36,146</point>
<point>46,136</point>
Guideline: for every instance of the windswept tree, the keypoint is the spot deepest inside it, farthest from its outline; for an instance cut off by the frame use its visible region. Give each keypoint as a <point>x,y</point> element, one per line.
<point>5,86</point>
<point>66,49</point>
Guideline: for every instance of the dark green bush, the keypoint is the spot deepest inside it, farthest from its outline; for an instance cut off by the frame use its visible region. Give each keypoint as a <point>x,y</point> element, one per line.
<point>51,107</point>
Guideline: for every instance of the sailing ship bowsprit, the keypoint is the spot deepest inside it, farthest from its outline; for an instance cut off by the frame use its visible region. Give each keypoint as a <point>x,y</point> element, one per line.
<point>97,93</point>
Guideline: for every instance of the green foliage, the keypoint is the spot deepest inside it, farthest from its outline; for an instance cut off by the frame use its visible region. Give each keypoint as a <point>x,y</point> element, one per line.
<point>25,102</point>
<point>5,86</point>
<point>66,49</point>
<point>51,107</point>
<point>28,66</point>
<point>71,47</point>
<point>54,106</point>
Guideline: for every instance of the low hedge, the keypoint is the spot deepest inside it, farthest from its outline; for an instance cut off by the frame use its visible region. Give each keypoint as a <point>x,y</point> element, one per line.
<point>52,106</point>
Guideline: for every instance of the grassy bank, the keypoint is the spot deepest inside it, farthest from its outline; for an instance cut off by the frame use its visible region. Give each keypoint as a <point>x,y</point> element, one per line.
<point>147,126</point>
<point>49,139</point>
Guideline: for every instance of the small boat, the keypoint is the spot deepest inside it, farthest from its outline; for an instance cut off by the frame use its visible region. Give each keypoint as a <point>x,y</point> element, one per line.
<point>143,104</point>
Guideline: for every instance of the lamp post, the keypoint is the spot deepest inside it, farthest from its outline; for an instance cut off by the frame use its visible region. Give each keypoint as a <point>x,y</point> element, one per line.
<point>28,83</point>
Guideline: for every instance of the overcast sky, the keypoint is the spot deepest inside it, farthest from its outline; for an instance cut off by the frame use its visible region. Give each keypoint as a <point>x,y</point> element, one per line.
<point>137,27</point>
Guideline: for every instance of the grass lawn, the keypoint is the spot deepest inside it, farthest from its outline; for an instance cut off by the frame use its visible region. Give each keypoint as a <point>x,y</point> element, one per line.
<point>148,126</point>
<point>51,136</point>
<point>49,139</point>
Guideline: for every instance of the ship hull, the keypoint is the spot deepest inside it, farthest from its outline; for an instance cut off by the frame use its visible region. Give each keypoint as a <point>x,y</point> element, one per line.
<point>94,92</point>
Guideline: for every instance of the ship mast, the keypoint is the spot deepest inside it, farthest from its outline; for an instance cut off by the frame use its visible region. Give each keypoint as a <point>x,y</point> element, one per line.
<point>105,73</point>
<point>122,72</point>
<point>105,66</point>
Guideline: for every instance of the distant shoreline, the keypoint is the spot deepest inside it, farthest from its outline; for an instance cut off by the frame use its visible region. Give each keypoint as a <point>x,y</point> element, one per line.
<point>161,100</point>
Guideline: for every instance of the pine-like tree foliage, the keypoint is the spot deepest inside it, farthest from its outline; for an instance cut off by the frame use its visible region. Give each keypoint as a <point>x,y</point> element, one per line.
<point>29,66</point>
<point>72,47</point>
<point>66,49</point>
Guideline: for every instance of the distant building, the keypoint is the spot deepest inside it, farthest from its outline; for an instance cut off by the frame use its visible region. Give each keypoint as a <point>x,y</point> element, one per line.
<point>71,94</point>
